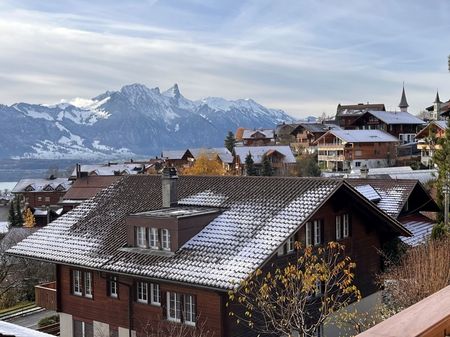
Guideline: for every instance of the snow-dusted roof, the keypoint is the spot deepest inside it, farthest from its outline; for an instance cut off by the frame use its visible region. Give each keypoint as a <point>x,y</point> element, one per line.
<point>40,185</point>
<point>109,169</point>
<point>173,154</point>
<point>223,153</point>
<point>258,215</point>
<point>362,136</point>
<point>369,192</point>
<point>10,329</point>
<point>249,134</point>
<point>396,117</point>
<point>420,226</point>
<point>258,152</point>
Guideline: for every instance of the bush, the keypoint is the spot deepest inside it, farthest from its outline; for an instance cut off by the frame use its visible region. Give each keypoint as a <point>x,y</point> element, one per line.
<point>48,321</point>
<point>439,232</point>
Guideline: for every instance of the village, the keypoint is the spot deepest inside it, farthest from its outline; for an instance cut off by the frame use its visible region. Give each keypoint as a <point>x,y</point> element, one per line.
<point>331,226</point>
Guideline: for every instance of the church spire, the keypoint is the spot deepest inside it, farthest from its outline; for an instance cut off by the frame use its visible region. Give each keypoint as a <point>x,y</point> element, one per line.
<point>403,102</point>
<point>437,99</point>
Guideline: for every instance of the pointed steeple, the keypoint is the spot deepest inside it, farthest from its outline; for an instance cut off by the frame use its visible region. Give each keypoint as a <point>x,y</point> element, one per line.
<point>403,102</point>
<point>437,99</point>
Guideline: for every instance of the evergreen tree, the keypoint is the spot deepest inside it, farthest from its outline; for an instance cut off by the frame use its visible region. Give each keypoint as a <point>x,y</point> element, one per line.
<point>19,216</point>
<point>230,141</point>
<point>12,214</point>
<point>250,165</point>
<point>267,169</point>
<point>307,166</point>
<point>442,159</point>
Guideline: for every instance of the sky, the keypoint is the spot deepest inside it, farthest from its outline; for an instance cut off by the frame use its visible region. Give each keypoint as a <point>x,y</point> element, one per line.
<point>302,56</point>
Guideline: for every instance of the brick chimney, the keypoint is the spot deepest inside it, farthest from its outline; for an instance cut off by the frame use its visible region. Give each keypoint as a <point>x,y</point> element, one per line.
<point>169,187</point>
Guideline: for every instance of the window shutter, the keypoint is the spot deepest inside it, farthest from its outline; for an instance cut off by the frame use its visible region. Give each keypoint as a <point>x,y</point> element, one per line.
<point>164,303</point>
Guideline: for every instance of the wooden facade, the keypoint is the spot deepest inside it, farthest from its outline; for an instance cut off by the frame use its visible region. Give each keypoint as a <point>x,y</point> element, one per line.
<point>124,311</point>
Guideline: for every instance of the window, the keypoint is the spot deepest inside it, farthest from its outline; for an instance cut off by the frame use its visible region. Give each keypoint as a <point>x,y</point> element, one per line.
<point>290,244</point>
<point>142,292</point>
<point>317,232</point>
<point>165,244</point>
<point>342,226</point>
<point>155,295</point>
<point>357,164</point>
<point>82,329</point>
<point>308,235</point>
<point>154,238</point>
<point>113,331</point>
<point>346,225</point>
<point>113,289</point>
<point>76,283</point>
<point>338,227</point>
<point>189,309</point>
<point>39,198</point>
<point>141,240</point>
<point>47,199</point>
<point>173,307</point>
<point>88,284</point>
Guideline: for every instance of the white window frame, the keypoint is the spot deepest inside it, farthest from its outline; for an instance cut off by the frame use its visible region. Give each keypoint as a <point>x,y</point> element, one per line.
<point>173,307</point>
<point>141,240</point>
<point>290,244</point>
<point>308,234</point>
<point>338,227</point>
<point>346,225</point>
<point>88,284</point>
<point>165,239</point>
<point>76,286</point>
<point>189,310</point>
<point>154,238</point>
<point>113,291</point>
<point>155,294</point>
<point>317,232</point>
<point>142,292</point>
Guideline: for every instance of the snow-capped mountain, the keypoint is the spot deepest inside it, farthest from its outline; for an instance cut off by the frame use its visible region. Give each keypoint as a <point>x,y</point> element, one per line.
<point>136,120</point>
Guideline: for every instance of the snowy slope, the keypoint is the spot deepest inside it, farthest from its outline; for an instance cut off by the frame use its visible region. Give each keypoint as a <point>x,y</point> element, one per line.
<point>134,120</point>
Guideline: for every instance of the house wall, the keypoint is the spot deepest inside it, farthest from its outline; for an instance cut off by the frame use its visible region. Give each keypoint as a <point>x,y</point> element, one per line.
<point>39,199</point>
<point>114,311</point>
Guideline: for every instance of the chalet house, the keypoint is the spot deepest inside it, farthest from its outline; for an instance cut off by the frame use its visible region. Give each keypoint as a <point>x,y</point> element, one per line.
<point>221,154</point>
<point>427,139</point>
<point>42,196</point>
<point>307,133</point>
<point>133,257</point>
<point>109,169</point>
<point>178,158</point>
<point>347,114</point>
<point>280,156</point>
<point>283,133</point>
<point>255,137</point>
<point>345,150</point>
<point>400,124</point>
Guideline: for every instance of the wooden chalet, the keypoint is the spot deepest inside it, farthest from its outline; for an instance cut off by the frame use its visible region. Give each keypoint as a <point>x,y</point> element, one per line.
<point>427,141</point>
<point>255,137</point>
<point>163,252</point>
<point>400,124</point>
<point>347,114</point>
<point>307,133</point>
<point>346,150</point>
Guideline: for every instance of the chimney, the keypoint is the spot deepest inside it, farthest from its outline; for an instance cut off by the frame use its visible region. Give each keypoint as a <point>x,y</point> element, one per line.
<point>78,170</point>
<point>169,187</point>
<point>364,172</point>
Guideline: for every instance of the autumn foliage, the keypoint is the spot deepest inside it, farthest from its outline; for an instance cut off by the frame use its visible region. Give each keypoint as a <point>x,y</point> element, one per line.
<point>205,165</point>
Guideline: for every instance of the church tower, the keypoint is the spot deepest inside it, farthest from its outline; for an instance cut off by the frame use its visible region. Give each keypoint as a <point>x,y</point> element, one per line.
<point>435,114</point>
<point>403,102</point>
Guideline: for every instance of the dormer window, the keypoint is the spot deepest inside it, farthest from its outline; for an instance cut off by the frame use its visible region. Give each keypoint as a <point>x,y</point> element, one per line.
<point>154,244</point>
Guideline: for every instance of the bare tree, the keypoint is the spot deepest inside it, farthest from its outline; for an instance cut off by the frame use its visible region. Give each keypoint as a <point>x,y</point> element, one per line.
<point>422,271</point>
<point>173,329</point>
<point>298,298</point>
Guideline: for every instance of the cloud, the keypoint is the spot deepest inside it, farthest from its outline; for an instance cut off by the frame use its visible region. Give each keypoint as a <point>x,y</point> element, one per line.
<point>284,56</point>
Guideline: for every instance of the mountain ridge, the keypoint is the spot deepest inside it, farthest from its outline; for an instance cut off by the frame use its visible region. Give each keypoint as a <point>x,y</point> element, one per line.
<point>133,121</point>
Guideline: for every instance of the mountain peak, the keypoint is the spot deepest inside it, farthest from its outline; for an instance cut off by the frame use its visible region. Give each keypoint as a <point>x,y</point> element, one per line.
<point>174,92</point>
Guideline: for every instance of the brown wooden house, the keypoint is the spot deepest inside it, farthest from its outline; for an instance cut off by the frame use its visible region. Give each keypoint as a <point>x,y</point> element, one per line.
<point>427,141</point>
<point>347,114</point>
<point>134,258</point>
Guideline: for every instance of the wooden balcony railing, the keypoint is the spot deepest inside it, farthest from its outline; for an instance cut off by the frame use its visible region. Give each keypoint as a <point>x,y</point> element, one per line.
<point>45,295</point>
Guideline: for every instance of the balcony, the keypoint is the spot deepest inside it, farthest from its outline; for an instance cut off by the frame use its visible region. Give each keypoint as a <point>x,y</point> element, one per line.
<point>330,158</point>
<point>46,295</point>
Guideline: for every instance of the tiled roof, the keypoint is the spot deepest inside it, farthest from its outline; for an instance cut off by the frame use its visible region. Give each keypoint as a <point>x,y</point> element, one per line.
<point>109,169</point>
<point>86,187</point>
<point>358,109</point>
<point>39,185</point>
<point>259,214</point>
<point>393,193</point>
<point>419,225</point>
<point>248,133</point>
<point>362,136</point>
<point>396,117</point>
<point>257,152</point>
<point>173,154</point>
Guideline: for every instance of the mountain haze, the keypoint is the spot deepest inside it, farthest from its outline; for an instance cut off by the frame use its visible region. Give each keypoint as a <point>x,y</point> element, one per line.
<point>135,120</point>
